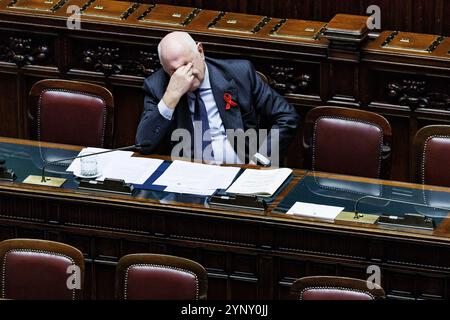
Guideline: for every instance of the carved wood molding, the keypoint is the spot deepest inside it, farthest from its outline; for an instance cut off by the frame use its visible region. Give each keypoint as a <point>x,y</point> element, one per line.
<point>24,51</point>
<point>110,61</point>
<point>415,94</point>
<point>103,59</point>
<point>289,80</point>
<point>146,63</point>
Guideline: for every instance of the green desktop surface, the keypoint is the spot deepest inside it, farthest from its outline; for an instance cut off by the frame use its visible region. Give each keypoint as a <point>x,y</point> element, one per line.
<point>363,197</point>
<point>367,198</point>
<point>27,160</point>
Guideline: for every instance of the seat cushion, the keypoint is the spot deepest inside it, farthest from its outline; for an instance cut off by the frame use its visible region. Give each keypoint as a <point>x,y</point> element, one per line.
<point>36,275</point>
<point>155,282</point>
<point>72,118</point>
<point>347,146</point>
<point>436,161</point>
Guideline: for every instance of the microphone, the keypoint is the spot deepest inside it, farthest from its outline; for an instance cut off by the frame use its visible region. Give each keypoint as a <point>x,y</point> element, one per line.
<point>440,212</point>
<point>5,173</point>
<point>145,147</point>
<point>57,182</point>
<point>412,220</point>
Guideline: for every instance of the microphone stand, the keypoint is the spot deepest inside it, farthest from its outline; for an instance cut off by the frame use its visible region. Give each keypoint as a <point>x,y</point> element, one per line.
<point>409,219</point>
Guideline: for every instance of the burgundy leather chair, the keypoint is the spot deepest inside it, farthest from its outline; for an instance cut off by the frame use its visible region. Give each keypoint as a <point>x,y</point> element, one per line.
<point>431,156</point>
<point>160,277</point>
<point>72,112</point>
<point>38,270</point>
<point>347,141</point>
<point>335,288</point>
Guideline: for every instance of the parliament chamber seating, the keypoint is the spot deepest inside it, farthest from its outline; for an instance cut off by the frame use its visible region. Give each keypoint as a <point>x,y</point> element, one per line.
<point>160,277</point>
<point>348,141</point>
<point>335,288</point>
<point>322,54</point>
<point>431,157</point>
<point>72,112</point>
<point>39,270</point>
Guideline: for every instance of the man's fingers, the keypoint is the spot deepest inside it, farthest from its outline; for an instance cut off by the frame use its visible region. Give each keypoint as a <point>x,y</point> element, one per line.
<point>181,70</point>
<point>184,69</point>
<point>182,79</point>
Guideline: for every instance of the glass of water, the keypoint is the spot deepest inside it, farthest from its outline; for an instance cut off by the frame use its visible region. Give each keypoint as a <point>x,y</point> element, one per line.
<point>88,165</point>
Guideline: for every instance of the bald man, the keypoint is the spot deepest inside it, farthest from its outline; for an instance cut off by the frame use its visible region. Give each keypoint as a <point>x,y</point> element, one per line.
<point>218,96</point>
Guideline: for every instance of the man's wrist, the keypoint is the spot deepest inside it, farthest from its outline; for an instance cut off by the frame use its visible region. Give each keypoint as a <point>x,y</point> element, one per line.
<point>164,110</point>
<point>171,100</point>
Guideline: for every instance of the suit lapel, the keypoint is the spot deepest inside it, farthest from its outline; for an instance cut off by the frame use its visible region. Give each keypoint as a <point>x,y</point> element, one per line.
<point>220,85</point>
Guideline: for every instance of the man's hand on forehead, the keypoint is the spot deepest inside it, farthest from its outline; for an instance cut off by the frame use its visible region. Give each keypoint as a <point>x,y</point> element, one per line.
<point>180,83</point>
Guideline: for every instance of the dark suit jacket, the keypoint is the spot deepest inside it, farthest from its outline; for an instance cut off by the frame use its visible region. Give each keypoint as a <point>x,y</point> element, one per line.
<point>237,77</point>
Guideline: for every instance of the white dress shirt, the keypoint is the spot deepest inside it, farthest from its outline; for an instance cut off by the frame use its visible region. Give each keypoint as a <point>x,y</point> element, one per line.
<point>221,146</point>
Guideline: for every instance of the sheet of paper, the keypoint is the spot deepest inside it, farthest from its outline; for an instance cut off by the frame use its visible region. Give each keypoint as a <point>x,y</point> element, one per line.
<point>102,159</point>
<point>195,191</point>
<point>313,210</point>
<point>260,182</point>
<point>131,170</point>
<point>196,178</point>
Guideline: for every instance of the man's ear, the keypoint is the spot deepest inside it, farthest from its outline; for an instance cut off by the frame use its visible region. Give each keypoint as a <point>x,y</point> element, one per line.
<point>200,49</point>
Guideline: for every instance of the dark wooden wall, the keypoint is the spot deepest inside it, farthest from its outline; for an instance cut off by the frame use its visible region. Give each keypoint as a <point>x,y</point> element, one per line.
<point>423,16</point>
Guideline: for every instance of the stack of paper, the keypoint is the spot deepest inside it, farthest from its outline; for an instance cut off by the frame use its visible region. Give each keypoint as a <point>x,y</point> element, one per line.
<point>262,183</point>
<point>119,165</point>
<point>102,159</point>
<point>131,170</point>
<point>312,210</point>
<point>196,178</point>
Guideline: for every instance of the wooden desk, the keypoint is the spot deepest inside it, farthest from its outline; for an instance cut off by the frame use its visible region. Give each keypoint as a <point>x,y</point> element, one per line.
<point>247,255</point>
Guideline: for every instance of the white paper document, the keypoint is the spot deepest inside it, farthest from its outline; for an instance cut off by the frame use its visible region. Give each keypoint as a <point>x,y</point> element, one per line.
<point>102,159</point>
<point>196,178</point>
<point>313,210</point>
<point>132,170</point>
<point>260,182</point>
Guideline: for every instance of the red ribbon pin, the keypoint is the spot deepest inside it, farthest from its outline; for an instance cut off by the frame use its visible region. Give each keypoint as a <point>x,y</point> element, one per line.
<point>229,100</point>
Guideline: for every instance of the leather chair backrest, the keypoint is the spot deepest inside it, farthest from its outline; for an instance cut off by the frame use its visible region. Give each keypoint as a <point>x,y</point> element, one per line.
<point>334,294</point>
<point>71,117</point>
<point>436,161</point>
<point>430,156</point>
<point>157,282</point>
<point>335,288</point>
<point>347,141</point>
<point>71,112</point>
<point>38,269</point>
<point>347,146</point>
<point>159,277</point>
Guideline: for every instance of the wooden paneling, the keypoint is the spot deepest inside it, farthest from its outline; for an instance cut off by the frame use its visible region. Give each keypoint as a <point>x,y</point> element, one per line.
<point>9,126</point>
<point>127,113</point>
<point>423,16</point>
<point>445,17</point>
